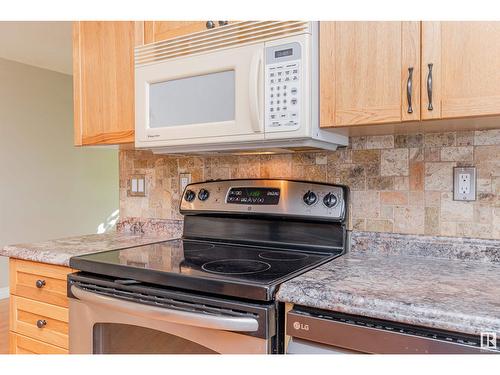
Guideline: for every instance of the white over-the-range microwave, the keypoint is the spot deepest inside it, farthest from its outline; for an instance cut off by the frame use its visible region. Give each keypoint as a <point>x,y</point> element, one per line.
<point>242,88</point>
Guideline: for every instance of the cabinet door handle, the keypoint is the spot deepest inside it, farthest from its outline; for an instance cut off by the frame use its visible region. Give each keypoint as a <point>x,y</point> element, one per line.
<point>429,87</point>
<point>223,23</point>
<point>409,88</point>
<point>210,24</point>
<point>40,284</point>
<point>40,323</point>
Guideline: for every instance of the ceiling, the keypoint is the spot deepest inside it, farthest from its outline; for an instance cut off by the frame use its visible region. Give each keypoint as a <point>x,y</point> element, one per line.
<point>43,44</point>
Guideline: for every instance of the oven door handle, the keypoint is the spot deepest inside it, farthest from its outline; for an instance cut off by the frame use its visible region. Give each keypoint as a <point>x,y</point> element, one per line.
<point>225,323</point>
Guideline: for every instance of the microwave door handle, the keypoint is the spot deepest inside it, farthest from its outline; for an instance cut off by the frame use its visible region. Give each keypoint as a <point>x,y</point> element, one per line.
<point>254,80</point>
<point>226,323</point>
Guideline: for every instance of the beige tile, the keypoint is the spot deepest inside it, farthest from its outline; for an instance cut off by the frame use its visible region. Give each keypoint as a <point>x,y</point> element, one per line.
<point>447,228</point>
<point>393,198</point>
<point>463,153</point>
<point>357,143</point>
<point>432,199</point>
<point>379,225</point>
<point>483,214</point>
<point>487,137</point>
<point>358,224</point>
<point>380,183</point>
<point>416,198</point>
<point>432,154</point>
<point>474,230</point>
<point>495,185</point>
<point>365,204</point>
<point>401,183</point>
<point>379,141</point>
<point>416,154</point>
<point>465,138</point>
<point>409,219</point>
<point>394,162</point>
<point>487,153</point>
<point>321,159</point>
<point>484,185</point>
<point>416,176</point>
<point>365,156</point>
<point>408,140</point>
<point>387,212</point>
<point>455,210</point>
<point>439,176</point>
<point>439,139</point>
<point>431,220</point>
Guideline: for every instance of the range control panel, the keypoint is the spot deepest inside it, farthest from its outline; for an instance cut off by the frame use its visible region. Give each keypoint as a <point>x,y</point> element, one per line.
<point>275,197</point>
<point>283,87</point>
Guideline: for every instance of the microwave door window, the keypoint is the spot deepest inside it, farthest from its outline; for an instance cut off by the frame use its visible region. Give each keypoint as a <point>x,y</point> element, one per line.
<point>208,98</point>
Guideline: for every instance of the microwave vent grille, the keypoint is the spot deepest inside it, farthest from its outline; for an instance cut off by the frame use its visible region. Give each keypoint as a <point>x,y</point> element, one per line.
<point>231,35</point>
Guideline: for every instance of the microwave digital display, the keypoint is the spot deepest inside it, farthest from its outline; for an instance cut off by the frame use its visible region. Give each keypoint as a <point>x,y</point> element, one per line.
<point>251,195</point>
<point>283,53</point>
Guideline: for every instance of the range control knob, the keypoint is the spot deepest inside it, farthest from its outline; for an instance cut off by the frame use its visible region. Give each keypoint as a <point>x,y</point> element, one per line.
<point>203,194</point>
<point>330,200</point>
<point>189,196</point>
<point>310,198</point>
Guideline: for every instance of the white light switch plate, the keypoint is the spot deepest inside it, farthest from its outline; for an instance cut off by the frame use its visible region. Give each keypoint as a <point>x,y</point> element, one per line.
<point>184,180</point>
<point>137,186</point>
<point>464,183</point>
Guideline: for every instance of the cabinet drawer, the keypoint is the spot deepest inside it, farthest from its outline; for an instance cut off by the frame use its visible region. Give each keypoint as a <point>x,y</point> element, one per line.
<point>20,344</point>
<point>26,313</point>
<point>24,276</point>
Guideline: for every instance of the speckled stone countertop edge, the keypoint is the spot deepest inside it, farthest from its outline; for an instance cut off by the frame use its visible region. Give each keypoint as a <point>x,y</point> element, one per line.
<point>423,318</point>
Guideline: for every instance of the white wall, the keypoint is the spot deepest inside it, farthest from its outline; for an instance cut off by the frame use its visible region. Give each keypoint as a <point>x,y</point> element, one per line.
<point>48,187</point>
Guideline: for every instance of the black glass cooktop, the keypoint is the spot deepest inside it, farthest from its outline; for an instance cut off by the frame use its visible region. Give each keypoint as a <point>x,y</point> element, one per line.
<point>248,272</point>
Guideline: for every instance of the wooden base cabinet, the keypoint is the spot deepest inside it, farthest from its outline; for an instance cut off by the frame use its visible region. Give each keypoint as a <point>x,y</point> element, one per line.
<point>38,308</point>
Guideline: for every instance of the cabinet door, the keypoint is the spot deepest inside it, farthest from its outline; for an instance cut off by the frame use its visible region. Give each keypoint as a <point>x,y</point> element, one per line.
<point>365,70</point>
<point>20,344</point>
<point>103,81</point>
<point>465,78</point>
<point>155,31</point>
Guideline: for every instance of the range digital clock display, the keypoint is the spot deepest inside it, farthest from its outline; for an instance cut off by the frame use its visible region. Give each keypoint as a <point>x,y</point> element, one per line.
<point>253,195</point>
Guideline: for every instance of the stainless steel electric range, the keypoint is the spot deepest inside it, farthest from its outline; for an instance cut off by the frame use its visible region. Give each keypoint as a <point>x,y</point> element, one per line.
<point>213,290</point>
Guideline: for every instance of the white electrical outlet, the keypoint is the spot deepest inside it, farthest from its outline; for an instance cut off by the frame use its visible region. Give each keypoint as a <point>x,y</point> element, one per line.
<point>464,183</point>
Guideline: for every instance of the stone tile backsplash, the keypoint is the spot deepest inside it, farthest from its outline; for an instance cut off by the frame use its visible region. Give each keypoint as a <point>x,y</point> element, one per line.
<point>399,183</point>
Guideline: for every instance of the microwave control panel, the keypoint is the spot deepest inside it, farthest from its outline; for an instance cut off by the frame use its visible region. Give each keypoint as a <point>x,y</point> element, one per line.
<point>283,83</point>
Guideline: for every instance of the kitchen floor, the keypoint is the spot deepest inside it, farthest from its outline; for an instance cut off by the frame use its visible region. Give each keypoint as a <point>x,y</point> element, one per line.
<point>4,326</point>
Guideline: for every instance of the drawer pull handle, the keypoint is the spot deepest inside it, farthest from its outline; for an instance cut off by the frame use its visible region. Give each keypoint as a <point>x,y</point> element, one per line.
<point>40,323</point>
<point>40,283</point>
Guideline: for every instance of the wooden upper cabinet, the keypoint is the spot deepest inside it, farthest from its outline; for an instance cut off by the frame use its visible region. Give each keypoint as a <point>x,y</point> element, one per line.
<point>364,72</point>
<point>103,81</point>
<point>154,31</point>
<point>465,58</point>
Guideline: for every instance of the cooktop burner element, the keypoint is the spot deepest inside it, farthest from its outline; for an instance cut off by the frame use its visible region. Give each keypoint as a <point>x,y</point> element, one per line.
<point>283,255</point>
<point>235,266</point>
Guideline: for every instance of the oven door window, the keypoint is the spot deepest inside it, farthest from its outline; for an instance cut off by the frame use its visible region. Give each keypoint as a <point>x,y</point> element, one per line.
<point>114,338</point>
<point>202,99</point>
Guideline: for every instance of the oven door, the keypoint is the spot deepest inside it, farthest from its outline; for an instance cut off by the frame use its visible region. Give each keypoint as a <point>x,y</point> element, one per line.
<point>204,98</point>
<point>100,324</point>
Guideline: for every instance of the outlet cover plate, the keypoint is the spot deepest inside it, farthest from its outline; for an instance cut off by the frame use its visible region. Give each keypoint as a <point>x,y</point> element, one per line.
<point>470,192</point>
<point>137,186</point>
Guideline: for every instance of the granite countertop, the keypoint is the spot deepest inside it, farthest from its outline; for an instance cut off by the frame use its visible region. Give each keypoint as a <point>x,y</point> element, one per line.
<point>61,250</point>
<point>449,294</point>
